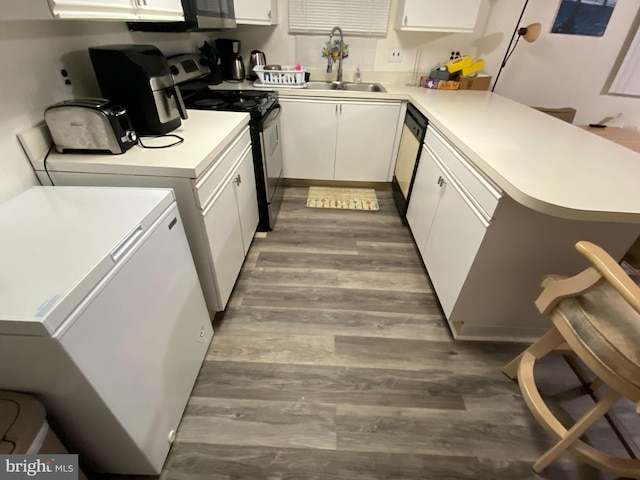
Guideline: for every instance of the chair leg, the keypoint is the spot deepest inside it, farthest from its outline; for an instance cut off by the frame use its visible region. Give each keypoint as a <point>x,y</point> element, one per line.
<point>547,343</point>
<point>575,432</point>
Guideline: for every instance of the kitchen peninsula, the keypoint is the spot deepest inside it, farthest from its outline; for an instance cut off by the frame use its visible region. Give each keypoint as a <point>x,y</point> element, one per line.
<point>547,185</point>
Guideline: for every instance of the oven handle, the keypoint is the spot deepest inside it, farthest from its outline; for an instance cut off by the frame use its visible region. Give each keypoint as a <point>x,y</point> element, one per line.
<point>272,117</point>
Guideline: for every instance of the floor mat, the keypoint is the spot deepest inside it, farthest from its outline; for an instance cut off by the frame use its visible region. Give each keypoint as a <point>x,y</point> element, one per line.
<point>343,198</point>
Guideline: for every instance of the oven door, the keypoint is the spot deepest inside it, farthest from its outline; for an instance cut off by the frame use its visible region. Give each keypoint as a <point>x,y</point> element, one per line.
<point>271,145</point>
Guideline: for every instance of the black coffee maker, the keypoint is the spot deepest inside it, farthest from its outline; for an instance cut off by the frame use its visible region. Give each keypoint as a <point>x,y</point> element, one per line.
<point>231,60</point>
<point>138,78</point>
<point>211,54</point>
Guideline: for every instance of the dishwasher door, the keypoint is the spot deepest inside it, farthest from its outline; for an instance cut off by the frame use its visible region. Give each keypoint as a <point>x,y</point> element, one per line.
<point>413,131</point>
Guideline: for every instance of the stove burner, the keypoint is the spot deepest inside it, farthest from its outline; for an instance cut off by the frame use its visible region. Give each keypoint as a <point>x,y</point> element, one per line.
<point>209,102</point>
<point>253,94</point>
<point>244,104</point>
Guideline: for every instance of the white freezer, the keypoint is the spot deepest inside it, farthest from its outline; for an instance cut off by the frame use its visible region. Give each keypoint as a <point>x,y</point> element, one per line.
<point>102,317</point>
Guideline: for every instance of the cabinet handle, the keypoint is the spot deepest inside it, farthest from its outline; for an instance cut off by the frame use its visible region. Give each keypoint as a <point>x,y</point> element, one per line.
<point>269,15</point>
<point>405,21</point>
<point>336,109</point>
<point>237,180</point>
<point>440,180</point>
<point>340,109</point>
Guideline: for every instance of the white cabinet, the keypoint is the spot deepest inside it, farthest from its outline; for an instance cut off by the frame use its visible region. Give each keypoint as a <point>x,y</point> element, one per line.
<point>424,199</point>
<point>129,10</point>
<point>333,139</point>
<point>457,227</point>
<point>366,139</point>
<point>309,142</point>
<point>231,219</point>
<point>161,10</point>
<point>437,16</point>
<point>449,213</point>
<point>230,213</point>
<point>256,12</point>
<point>94,9</point>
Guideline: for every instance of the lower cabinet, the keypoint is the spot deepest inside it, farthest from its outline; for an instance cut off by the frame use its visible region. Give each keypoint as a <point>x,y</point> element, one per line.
<point>446,226</point>
<point>231,217</point>
<point>485,253</point>
<point>339,140</point>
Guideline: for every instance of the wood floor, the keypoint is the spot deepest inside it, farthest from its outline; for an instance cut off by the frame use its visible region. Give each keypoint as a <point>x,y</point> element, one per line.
<point>333,361</point>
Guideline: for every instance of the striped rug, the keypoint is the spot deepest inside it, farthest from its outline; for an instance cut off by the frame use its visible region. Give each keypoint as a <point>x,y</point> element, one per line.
<point>343,198</point>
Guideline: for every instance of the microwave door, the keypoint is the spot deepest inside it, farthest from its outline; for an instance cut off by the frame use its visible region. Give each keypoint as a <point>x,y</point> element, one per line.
<point>214,13</point>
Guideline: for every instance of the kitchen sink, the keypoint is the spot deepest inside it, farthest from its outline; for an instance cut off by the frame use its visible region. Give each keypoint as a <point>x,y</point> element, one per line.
<point>322,85</point>
<point>362,87</point>
<point>349,86</point>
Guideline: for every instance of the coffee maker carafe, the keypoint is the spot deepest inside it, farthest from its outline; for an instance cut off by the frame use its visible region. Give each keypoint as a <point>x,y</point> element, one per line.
<point>232,63</point>
<point>138,78</point>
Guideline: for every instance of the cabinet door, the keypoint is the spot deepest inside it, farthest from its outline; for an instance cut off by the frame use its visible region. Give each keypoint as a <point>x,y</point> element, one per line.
<point>366,136</point>
<point>309,140</point>
<point>225,239</point>
<point>256,12</point>
<point>424,200</point>
<point>94,9</point>
<point>160,10</point>
<point>245,185</point>
<point>431,15</point>
<point>453,242</point>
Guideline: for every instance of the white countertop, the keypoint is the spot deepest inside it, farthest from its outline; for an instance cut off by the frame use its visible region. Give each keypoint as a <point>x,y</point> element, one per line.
<point>543,163</point>
<point>206,135</point>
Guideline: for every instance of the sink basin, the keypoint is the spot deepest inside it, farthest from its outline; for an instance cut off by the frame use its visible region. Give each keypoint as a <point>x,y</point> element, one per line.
<point>349,86</point>
<point>322,85</point>
<point>362,87</point>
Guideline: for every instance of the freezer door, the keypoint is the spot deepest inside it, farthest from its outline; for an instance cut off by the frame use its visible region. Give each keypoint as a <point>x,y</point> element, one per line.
<point>139,340</point>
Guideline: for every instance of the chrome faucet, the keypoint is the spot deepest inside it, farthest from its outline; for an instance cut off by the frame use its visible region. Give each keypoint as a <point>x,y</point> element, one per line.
<point>340,47</point>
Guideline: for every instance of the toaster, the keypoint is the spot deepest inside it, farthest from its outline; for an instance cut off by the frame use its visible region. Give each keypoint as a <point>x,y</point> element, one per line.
<point>90,125</point>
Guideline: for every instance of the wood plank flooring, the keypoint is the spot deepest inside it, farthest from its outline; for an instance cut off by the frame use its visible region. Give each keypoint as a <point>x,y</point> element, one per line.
<point>333,361</point>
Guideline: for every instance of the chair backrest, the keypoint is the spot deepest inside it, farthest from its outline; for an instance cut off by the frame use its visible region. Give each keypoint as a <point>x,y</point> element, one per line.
<point>566,114</point>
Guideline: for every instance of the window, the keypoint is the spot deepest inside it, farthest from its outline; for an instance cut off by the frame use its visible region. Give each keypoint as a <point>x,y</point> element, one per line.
<point>627,80</point>
<point>368,18</point>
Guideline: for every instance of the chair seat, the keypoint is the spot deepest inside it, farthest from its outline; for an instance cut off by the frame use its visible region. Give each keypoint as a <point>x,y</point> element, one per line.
<point>607,325</point>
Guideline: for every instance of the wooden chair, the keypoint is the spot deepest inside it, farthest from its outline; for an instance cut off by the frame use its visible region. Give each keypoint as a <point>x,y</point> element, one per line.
<point>596,316</point>
<point>566,114</point>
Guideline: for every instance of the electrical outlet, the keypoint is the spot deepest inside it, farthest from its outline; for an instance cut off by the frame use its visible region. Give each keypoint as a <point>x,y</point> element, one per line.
<point>395,55</point>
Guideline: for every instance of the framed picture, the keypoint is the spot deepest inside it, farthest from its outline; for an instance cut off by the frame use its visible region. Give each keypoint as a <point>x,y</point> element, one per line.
<point>583,17</point>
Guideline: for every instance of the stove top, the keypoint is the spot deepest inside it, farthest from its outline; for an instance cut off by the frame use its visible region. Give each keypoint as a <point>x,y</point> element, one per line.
<point>231,100</point>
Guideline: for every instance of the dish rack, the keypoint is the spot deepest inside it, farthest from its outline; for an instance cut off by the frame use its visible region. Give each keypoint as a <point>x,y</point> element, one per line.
<point>288,76</point>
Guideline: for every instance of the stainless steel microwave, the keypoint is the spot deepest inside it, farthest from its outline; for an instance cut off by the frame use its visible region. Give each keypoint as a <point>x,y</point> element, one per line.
<point>199,15</point>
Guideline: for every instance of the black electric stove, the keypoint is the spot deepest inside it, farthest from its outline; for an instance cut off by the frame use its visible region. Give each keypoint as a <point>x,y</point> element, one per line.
<point>264,124</point>
<point>256,102</point>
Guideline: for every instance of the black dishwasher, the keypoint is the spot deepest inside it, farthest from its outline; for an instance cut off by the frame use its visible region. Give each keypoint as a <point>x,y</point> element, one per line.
<point>413,131</point>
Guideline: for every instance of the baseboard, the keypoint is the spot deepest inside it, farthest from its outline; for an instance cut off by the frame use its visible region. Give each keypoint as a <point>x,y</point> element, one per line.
<point>301,182</point>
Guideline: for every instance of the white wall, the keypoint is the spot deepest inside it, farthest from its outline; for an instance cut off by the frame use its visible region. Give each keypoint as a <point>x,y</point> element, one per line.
<point>32,54</point>
<point>557,70</point>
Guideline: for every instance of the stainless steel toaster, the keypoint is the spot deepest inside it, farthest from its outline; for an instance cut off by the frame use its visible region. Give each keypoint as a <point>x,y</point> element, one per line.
<point>90,125</point>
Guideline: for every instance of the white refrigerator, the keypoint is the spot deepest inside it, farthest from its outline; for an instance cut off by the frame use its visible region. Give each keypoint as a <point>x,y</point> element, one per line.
<point>102,317</point>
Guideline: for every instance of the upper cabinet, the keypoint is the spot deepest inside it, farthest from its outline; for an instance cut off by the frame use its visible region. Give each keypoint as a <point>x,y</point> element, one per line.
<point>437,16</point>
<point>163,10</point>
<point>129,10</point>
<point>94,9</point>
<point>256,12</point>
